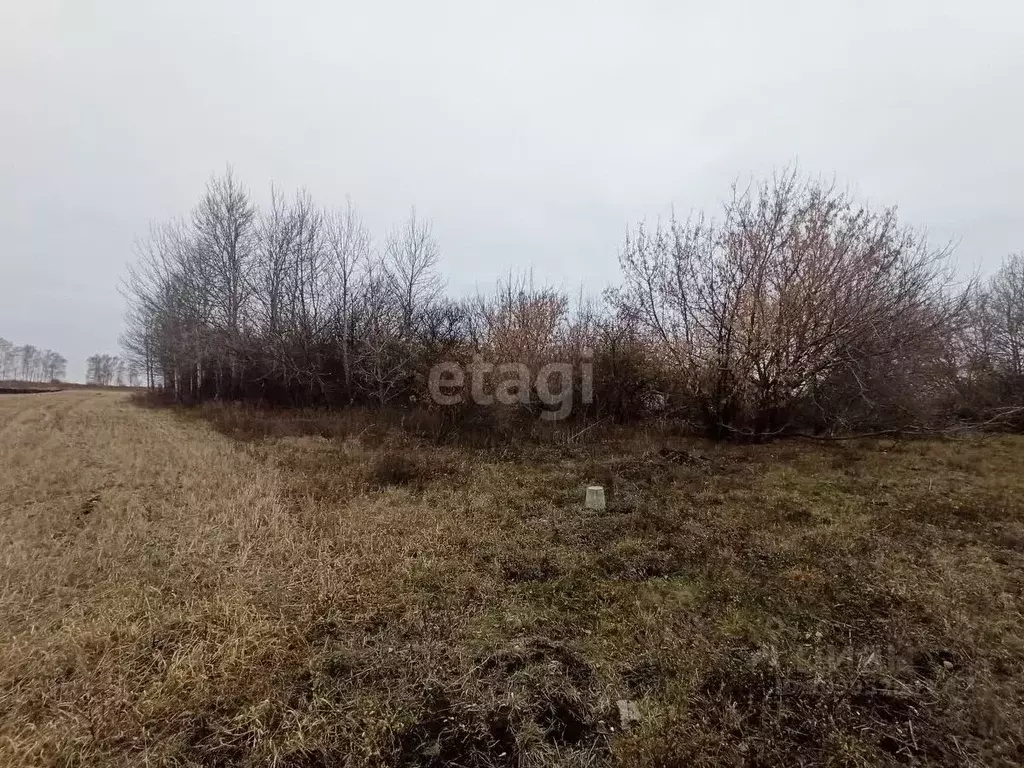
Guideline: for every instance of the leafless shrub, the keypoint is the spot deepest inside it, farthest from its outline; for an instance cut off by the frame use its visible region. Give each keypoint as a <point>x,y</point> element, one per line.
<point>796,288</point>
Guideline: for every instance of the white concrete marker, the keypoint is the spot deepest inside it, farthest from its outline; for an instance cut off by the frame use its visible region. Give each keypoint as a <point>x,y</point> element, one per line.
<point>629,713</point>
<point>595,497</point>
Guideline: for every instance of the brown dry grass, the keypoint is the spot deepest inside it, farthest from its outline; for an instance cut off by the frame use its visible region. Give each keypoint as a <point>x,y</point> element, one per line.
<point>328,591</point>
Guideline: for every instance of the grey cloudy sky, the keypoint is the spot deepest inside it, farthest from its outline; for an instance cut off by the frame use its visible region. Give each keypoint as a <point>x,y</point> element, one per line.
<point>531,133</point>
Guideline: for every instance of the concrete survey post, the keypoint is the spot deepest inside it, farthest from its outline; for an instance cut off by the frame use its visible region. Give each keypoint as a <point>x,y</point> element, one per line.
<point>595,498</point>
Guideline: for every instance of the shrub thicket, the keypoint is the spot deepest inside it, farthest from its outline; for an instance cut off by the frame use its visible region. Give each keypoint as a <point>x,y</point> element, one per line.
<point>797,310</point>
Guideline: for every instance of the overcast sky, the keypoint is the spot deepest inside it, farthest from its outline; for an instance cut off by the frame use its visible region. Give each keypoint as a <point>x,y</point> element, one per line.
<point>531,133</point>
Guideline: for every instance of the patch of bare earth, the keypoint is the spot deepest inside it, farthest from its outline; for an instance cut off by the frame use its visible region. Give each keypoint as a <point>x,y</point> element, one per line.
<point>328,591</point>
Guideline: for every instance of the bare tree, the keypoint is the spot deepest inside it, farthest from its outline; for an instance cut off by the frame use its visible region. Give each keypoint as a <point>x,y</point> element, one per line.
<point>348,246</point>
<point>54,366</point>
<point>29,359</point>
<point>223,233</point>
<point>990,348</point>
<point>1004,310</point>
<point>7,358</point>
<point>410,268</point>
<point>383,355</point>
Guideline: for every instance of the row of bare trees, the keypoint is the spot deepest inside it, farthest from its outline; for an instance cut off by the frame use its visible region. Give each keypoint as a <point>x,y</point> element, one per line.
<point>29,363</point>
<point>105,370</point>
<point>797,309</point>
<point>289,304</point>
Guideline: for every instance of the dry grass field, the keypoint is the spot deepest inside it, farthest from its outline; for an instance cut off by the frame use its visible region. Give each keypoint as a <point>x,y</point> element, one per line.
<point>225,587</point>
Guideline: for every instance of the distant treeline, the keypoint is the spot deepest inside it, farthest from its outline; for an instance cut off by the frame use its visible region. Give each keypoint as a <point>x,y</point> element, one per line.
<point>29,363</point>
<point>796,309</point>
<point>111,370</point>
